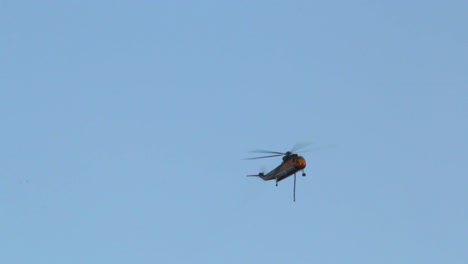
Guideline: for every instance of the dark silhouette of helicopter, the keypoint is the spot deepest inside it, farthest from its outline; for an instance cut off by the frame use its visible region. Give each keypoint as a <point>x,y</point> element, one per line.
<point>292,163</point>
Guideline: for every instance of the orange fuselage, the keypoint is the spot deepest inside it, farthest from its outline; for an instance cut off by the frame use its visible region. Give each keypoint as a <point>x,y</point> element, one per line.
<point>289,166</point>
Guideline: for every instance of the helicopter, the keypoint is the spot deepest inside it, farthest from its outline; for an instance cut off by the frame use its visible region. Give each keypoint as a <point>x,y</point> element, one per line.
<point>291,164</point>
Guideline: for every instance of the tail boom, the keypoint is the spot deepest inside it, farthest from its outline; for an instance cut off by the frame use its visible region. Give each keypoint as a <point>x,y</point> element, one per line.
<point>260,175</point>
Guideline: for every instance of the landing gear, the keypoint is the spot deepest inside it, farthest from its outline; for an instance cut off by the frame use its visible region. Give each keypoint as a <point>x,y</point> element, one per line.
<point>303,174</point>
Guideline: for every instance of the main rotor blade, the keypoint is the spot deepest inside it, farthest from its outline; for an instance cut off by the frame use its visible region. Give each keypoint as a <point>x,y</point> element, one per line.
<point>300,145</point>
<point>267,151</point>
<point>319,148</point>
<point>263,157</point>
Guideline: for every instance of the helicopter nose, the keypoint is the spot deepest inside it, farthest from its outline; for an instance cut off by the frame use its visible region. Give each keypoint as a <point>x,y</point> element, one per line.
<point>300,164</point>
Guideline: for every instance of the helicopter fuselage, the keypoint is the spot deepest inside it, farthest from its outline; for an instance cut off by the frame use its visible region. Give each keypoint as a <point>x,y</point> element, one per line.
<point>291,164</point>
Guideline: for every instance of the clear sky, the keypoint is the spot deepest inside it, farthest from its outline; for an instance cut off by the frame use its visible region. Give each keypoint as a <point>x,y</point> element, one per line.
<point>125,124</point>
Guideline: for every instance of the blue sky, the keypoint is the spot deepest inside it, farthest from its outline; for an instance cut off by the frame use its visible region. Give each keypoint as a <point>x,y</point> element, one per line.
<point>125,125</point>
